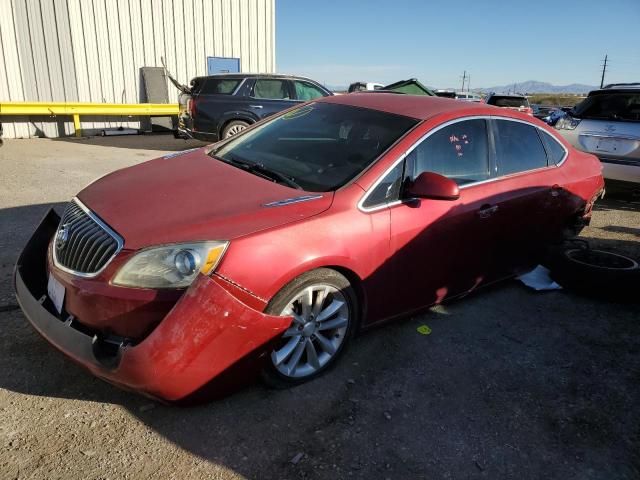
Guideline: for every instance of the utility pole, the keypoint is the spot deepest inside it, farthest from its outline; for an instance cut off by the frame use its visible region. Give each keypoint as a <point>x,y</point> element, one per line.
<point>464,78</point>
<point>468,82</point>
<point>604,69</point>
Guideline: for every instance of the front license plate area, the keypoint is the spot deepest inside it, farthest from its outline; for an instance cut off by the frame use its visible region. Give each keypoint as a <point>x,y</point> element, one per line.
<point>55,290</point>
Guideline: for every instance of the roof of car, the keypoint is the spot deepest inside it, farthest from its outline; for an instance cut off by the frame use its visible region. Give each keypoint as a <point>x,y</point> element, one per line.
<point>254,75</point>
<point>515,95</point>
<point>617,88</point>
<point>416,106</point>
<point>622,85</point>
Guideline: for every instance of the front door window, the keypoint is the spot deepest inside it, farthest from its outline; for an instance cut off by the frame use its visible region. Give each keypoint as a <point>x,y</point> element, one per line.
<point>458,151</point>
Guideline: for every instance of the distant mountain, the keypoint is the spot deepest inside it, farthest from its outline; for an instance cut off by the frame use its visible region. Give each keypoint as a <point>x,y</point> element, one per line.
<point>533,86</point>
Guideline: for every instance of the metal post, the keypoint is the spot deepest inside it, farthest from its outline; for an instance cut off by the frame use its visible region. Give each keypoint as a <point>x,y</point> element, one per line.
<point>604,69</point>
<point>76,125</point>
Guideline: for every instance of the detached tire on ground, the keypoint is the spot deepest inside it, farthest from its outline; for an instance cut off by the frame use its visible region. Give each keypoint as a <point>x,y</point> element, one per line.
<point>325,310</point>
<point>596,273</point>
<point>233,128</point>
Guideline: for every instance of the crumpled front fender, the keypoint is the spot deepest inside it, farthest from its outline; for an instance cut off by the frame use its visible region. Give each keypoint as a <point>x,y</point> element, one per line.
<point>204,334</point>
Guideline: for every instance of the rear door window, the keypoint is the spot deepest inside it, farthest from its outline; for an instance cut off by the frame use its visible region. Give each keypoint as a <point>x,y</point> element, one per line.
<point>273,89</point>
<point>217,86</point>
<point>306,91</point>
<point>555,151</point>
<point>518,147</point>
<point>513,102</point>
<point>459,151</point>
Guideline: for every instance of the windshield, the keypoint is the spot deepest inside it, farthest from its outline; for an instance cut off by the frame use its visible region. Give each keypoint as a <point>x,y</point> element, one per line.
<point>512,102</point>
<point>610,106</point>
<point>318,147</point>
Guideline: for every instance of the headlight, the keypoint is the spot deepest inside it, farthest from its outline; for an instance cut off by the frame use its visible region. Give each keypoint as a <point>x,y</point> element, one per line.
<point>170,266</point>
<point>567,123</point>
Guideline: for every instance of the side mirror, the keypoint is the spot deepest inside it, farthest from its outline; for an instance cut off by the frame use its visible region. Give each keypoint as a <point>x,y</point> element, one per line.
<point>433,185</point>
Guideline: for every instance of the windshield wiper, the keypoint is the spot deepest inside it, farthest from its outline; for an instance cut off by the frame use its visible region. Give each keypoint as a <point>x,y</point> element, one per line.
<point>261,170</point>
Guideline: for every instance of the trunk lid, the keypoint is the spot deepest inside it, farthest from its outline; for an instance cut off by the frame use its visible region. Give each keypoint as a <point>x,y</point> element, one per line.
<point>610,139</point>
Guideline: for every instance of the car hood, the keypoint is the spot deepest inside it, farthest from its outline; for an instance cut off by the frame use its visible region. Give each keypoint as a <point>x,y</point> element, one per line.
<point>192,196</point>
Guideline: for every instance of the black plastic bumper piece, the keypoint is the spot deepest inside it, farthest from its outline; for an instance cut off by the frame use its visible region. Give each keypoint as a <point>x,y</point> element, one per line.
<point>30,281</point>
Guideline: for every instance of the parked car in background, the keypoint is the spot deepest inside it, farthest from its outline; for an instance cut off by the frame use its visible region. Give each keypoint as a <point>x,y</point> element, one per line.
<point>607,124</point>
<point>465,96</point>
<point>364,86</point>
<point>542,111</point>
<point>268,251</point>
<point>220,106</point>
<point>519,103</point>
<point>554,116</point>
<point>468,96</point>
<point>445,93</point>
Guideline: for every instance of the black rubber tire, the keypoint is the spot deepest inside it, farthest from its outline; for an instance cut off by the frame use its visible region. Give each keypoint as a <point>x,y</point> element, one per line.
<point>614,282</point>
<point>269,374</point>
<point>230,125</point>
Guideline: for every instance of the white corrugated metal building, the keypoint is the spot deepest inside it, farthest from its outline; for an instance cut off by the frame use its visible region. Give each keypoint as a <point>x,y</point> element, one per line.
<point>92,51</point>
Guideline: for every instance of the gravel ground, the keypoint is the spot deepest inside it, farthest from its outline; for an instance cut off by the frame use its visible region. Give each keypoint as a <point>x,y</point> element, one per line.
<point>509,384</point>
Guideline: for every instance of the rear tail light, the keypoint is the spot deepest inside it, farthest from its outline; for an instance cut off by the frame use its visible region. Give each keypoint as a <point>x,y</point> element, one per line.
<point>191,106</point>
<point>567,123</point>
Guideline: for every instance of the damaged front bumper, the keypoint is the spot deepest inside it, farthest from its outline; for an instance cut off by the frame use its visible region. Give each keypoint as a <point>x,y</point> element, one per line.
<point>206,333</point>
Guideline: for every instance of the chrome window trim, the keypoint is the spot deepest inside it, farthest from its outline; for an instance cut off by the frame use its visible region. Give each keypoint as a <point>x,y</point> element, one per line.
<point>461,187</point>
<point>119,241</point>
<point>361,206</point>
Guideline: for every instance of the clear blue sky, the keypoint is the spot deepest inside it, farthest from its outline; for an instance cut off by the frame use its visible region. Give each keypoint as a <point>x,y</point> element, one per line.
<point>563,41</point>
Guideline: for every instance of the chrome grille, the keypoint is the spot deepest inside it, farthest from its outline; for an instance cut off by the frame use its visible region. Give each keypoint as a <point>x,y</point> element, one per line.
<point>83,244</point>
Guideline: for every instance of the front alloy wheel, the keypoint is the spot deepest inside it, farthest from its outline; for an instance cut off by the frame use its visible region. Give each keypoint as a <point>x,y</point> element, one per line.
<point>320,319</point>
<point>323,307</point>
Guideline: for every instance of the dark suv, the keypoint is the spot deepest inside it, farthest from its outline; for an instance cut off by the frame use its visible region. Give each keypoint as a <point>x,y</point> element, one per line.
<point>219,106</point>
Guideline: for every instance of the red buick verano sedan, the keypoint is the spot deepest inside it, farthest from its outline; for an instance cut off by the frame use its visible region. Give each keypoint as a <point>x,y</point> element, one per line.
<point>268,251</point>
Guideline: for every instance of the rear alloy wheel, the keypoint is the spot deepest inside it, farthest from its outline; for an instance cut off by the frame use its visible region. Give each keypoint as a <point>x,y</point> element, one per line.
<point>322,304</point>
<point>233,128</point>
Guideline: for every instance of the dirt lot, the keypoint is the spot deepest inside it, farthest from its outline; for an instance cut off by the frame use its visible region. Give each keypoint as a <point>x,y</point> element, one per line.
<point>509,384</point>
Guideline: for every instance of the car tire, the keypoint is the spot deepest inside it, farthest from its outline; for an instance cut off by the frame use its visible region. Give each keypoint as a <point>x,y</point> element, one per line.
<point>281,369</point>
<point>596,273</point>
<point>233,128</point>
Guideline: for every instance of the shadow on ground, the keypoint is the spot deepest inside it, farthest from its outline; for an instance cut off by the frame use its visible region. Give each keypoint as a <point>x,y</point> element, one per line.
<point>155,141</point>
<point>509,384</point>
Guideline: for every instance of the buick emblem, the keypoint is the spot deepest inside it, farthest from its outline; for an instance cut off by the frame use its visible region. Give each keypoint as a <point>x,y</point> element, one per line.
<point>62,237</point>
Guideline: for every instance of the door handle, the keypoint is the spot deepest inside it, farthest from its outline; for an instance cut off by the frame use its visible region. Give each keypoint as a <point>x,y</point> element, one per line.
<point>487,210</point>
<point>555,190</point>
<point>255,106</point>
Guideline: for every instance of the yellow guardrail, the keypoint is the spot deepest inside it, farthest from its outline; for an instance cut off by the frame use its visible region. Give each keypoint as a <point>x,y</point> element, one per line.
<point>75,109</point>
